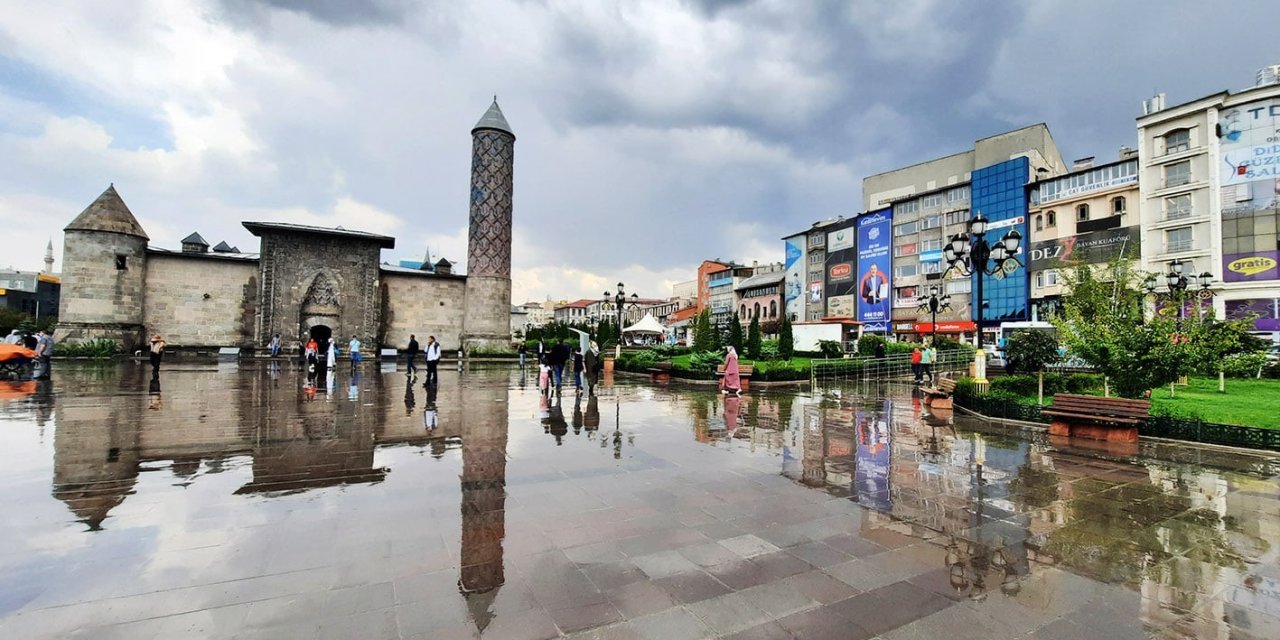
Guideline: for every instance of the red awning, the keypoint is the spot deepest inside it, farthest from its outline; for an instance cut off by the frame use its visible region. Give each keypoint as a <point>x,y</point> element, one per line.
<point>947,327</point>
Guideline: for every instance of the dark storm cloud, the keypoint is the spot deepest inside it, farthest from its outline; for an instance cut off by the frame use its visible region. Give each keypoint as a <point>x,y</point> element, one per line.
<point>338,13</point>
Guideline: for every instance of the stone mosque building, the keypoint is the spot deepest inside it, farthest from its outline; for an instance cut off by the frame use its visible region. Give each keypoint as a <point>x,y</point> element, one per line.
<point>304,281</point>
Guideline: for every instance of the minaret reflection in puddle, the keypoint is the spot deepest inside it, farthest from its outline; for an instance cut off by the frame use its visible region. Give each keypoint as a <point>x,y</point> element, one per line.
<point>484,473</point>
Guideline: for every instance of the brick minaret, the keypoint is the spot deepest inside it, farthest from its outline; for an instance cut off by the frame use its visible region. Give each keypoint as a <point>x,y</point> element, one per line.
<point>487,318</point>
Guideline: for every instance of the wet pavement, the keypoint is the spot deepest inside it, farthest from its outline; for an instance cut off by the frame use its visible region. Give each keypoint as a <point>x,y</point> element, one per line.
<point>244,502</point>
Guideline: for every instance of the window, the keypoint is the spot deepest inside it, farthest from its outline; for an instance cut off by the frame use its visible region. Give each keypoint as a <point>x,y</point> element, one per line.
<point>818,240</point>
<point>906,270</point>
<point>909,249</point>
<point>931,222</point>
<point>964,285</point>
<point>1178,173</point>
<point>773,308</point>
<point>814,315</point>
<point>1051,219</point>
<point>122,262</point>
<point>1040,280</point>
<point>957,217</point>
<point>931,245</point>
<point>905,297</point>
<point>906,228</point>
<point>815,258</point>
<point>1177,207</point>
<point>1177,140</point>
<point>742,311</point>
<point>1082,213</point>
<point>1051,278</point>
<point>1039,222</point>
<point>1177,239</point>
<point>959,194</point>
<point>756,312</point>
<point>1117,205</point>
<point>930,267</point>
<point>931,201</point>
<point>906,208</point>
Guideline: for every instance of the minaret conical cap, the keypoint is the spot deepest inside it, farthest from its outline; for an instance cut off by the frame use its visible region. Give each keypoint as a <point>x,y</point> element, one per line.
<point>493,119</point>
<point>108,213</point>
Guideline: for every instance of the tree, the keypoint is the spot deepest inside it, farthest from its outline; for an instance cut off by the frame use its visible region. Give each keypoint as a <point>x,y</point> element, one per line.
<point>736,340</point>
<point>1031,351</point>
<point>786,341</point>
<point>703,335</point>
<point>1104,323</point>
<point>753,339</point>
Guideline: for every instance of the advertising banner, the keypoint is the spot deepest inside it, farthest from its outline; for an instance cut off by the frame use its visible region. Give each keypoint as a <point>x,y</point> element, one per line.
<point>840,272</point>
<point>1264,311</point>
<point>874,270</point>
<point>793,296</point>
<point>840,306</point>
<point>839,240</point>
<point>871,475</point>
<point>931,256</point>
<point>1087,248</point>
<point>815,292</point>
<point>1254,265</point>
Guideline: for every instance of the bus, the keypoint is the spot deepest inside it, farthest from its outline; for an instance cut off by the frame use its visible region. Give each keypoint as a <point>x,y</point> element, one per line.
<point>996,337</point>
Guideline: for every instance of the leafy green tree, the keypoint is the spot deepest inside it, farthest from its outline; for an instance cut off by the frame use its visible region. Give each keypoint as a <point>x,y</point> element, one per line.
<point>753,338</point>
<point>703,336</point>
<point>786,340</point>
<point>736,340</point>
<point>1031,351</point>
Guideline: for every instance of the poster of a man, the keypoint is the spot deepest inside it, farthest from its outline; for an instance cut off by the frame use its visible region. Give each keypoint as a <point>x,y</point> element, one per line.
<point>874,287</point>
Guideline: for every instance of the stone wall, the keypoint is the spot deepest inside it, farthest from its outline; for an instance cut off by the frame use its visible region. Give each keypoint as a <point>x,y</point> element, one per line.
<point>310,280</point>
<point>488,316</point>
<point>201,301</point>
<point>99,299</point>
<point>423,305</point>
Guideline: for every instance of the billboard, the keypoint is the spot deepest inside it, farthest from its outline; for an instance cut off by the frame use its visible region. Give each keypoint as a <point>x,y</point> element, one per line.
<point>841,266</point>
<point>815,292</point>
<point>1264,311</point>
<point>874,288</point>
<point>840,306</point>
<point>793,290</point>
<point>1249,175</point>
<point>839,240</point>
<point>1086,248</point>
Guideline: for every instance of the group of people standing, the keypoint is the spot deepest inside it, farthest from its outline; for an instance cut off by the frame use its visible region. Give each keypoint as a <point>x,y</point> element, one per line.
<point>553,362</point>
<point>325,355</point>
<point>922,359</point>
<point>431,355</point>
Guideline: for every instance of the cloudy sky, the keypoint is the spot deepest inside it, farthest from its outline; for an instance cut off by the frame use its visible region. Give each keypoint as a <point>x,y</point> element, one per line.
<point>651,135</point>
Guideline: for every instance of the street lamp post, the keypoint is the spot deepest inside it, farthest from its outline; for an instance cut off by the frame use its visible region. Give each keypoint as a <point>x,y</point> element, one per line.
<point>933,304</point>
<point>1178,283</point>
<point>969,253</point>
<point>619,300</point>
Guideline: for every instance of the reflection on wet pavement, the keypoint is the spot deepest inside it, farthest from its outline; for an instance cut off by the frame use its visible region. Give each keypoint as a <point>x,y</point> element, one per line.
<point>253,502</point>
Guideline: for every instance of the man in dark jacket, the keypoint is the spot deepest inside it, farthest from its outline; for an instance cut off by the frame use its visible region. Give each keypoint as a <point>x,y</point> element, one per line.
<point>410,354</point>
<point>559,356</point>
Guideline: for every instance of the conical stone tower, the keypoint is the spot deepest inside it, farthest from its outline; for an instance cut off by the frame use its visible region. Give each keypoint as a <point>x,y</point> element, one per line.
<point>487,316</point>
<point>104,267</point>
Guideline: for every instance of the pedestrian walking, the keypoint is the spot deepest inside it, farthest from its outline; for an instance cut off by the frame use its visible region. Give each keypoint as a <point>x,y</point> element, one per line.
<point>731,383</point>
<point>880,350</point>
<point>274,347</point>
<point>558,358</point>
<point>522,351</point>
<point>577,369</point>
<point>157,352</point>
<point>411,354</point>
<point>591,360</point>
<point>926,361</point>
<point>44,351</point>
<point>331,349</point>
<point>433,361</point>
<point>544,378</point>
<point>312,351</point>
<point>356,358</point>
<point>915,363</point>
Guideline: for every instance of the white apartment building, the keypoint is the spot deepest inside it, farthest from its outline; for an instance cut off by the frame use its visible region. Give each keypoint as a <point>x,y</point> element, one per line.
<point>1209,178</point>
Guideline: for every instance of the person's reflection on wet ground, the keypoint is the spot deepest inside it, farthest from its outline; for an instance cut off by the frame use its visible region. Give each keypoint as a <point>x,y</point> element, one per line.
<point>409,400</point>
<point>309,386</point>
<point>329,384</point>
<point>153,389</point>
<point>431,413</point>
<point>732,407</point>
<point>544,413</point>
<point>273,371</point>
<point>592,417</point>
<point>556,425</point>
<point>353,388</point>
<point>577,415</point>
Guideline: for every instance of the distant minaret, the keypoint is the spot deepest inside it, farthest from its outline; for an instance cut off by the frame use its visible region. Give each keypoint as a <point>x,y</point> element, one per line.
<point>48,257</point>
<point>487,317</point>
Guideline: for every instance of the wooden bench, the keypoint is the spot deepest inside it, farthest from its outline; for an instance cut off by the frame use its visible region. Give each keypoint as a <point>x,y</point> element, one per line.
<point>939,396</point>
<point>1110,419</point>
<point>744,373</point>
<point>660,372</point>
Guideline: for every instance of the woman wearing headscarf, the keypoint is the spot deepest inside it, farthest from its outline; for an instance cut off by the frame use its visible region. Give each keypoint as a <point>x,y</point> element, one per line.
<point>731,382</point>
<point>592,362</point>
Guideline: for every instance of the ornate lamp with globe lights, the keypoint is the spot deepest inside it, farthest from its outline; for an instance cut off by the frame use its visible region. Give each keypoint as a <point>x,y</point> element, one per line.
<point>933,303</point>
<point>1178,284</point>
<point>969,253</point>
<point>619,301</point>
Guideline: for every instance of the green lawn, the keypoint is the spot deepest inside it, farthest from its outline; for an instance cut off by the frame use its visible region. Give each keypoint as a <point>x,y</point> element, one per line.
<point>1249,402</point>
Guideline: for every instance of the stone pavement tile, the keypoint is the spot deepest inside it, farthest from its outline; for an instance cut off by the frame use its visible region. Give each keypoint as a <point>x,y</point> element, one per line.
<point>534,624</point>
<point>1062,629</point>
<point>693,586</point>
<point>673,624</point>
<point>613,575</point>
<point>663,564</point>
<point>709,554</point>
<point>719,530</point>
<point>767,631</point>
<point>864,576</point>
<point>854,545</point>
<point>466,631</point>
<point>780,564</point>
<point>572,619</point>
<point>782,535</point>
<point>887,537</point>
<point>740,574</point>
<point>369,624</point>
<point>352,600</point>
<point>820,587</point>
<point>823,623</point>
<point>778,599</point>
<point>594,553</point>
<point>620,631</point>
<point>939,582</point>
<point>1106,619</point>
<point>890,607</point>
<point>729,613</point>
<point>956,623</point>
<point>748,545</point>
<point>302,608</point>
<point>818,554</point>
<point>639,599</point>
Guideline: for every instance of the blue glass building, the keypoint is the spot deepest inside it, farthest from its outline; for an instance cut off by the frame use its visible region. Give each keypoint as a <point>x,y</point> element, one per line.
<point>999,192</point>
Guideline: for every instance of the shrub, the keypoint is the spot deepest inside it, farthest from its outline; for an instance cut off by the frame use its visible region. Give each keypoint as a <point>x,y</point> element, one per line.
<point>1017,385</point>
<point>671,350</point>
<point>705,361</point>
<point>753,339</point>
<point>780,371</point>
<point>943,343</point>
<point>769,350</point>
<point>644,360</point>
<point>100,348</point>
<point>1083,383</point>
<point>830,348</point>
<point>966,388</point>
<point>786,339</point>
<point>867,345</point>
<point>1244,365</point>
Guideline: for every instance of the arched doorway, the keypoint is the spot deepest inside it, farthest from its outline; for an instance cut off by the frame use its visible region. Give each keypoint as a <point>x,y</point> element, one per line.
<point>321,333</point>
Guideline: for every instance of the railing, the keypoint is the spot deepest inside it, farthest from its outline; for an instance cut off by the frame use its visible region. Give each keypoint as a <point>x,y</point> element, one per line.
<point>894,367</point>
<point>1156,426</point>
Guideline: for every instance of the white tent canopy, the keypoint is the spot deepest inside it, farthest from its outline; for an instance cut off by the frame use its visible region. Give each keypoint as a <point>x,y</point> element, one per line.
<point>648,324</point>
